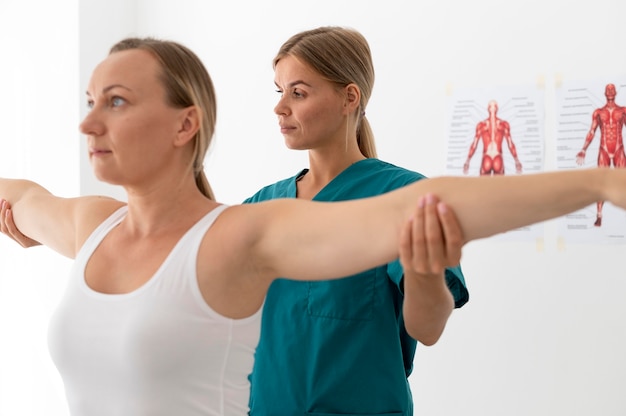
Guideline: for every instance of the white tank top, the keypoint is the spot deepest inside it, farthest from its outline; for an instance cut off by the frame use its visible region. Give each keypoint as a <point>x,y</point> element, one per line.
<point>159,350</point>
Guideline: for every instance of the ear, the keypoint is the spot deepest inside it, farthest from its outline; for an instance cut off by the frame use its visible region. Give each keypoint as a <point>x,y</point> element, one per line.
<point>188,126</point>
<point>353,98</point>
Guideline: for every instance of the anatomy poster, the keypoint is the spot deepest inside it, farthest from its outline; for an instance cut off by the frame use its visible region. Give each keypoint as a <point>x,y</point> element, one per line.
<point>590,125</point>
<point>497,131</point>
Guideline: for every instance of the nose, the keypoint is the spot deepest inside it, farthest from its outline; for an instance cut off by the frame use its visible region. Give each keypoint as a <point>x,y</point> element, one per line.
<point>91,124</point>
<point>281,107</point>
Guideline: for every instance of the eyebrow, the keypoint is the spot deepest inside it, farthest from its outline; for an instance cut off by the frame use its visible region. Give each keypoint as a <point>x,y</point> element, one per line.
<point>110,87</point>
<point>294,83</point>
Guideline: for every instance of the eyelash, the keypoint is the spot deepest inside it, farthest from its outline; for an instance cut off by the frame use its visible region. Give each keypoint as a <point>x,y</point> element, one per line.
<point>295,93</point>
<point>112,101</point>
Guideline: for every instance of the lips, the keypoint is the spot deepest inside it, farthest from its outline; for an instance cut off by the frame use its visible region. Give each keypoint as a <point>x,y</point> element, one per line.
<point>286,129</point>
<point>98,152</point>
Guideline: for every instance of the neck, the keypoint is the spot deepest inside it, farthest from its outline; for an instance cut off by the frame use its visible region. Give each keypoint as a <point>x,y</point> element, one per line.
<point>324,166</point>
<point>167,205</point>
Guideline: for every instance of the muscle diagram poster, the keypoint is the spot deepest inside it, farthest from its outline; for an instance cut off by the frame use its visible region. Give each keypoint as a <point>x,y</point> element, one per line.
<point>589,129</point>
<point>497,131</point>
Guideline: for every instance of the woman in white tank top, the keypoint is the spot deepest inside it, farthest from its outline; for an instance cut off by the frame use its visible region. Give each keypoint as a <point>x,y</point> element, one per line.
<point>161,314</point>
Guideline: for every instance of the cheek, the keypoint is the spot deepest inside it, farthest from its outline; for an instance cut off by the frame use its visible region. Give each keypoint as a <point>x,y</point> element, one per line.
<point>322,117</point>
<point>155,128</point>
<point>141,139</point>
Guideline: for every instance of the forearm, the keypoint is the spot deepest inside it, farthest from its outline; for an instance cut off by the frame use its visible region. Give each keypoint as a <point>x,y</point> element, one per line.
<point>490,205</point>
<point>41,216</point>
<point>427,306</point>
<point>472,149</point>
<point>588,140</point>
<point>13,190</point>
<point>18,192</point>
<point>512,148</point>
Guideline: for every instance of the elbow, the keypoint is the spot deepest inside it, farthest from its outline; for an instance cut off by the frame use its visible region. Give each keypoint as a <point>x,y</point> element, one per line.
<point>426,337</point>
<point>429,342</point>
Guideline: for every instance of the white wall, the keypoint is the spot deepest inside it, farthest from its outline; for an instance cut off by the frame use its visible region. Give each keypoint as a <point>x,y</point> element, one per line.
<point>542,333</point>
<point>39,141</point>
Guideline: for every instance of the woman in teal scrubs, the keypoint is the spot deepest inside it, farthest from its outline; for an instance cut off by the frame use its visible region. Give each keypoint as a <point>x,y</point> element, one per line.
<point>341,346</point>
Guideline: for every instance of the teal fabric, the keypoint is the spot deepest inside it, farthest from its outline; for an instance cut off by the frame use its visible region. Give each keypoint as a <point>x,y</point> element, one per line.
<point>339,346</point>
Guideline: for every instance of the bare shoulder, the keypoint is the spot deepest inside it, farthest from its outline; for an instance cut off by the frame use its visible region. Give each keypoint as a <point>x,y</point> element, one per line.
<point>249,222</point>
<point>242,231</point>
<point>257,231</point>
<point>237,225</point>
<point>95,208</point>
<point>230,269</point>
<point>90,212</point>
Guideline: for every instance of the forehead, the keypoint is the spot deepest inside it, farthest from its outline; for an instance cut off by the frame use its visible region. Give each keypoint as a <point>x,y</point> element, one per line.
<point>133,68</point>
<point>290,69</point>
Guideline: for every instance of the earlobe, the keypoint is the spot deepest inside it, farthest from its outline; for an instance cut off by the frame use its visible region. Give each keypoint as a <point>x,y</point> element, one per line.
<point>189,125</point>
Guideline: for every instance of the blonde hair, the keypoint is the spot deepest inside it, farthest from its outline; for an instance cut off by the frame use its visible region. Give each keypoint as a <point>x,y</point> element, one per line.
<point>187,83</point>
<point>342,56</point>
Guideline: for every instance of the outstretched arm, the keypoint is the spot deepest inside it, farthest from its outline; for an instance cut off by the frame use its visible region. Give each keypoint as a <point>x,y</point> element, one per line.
<point>318,237</point>
<point>59,223</point>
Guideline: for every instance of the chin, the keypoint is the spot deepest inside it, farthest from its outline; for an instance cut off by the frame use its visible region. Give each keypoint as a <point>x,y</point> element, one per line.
<point>295,146</point>
<point>104,178</point>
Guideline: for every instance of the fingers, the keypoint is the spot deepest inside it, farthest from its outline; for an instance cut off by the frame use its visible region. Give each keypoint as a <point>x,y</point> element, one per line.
<point>405,245</point>
<point>421,240</point>
<point>452,233</point>
<point>433,235</point>
<point>432,239</point>
<point>8,227</point>
<point>3,213</point>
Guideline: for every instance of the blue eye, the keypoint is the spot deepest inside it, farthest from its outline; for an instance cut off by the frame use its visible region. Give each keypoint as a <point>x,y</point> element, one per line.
<point>89,104</point>
<point>117,101</point>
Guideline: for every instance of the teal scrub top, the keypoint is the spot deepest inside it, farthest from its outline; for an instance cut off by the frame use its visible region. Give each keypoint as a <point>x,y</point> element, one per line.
<point>339,346</point>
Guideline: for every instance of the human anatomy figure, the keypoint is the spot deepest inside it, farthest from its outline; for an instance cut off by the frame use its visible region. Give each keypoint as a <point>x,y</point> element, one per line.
<point>492,131</point>
<point>611,119</point>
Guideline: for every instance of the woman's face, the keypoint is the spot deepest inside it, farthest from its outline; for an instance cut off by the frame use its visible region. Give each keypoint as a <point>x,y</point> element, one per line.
<point>130,127</point>
<point>311,111</point>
